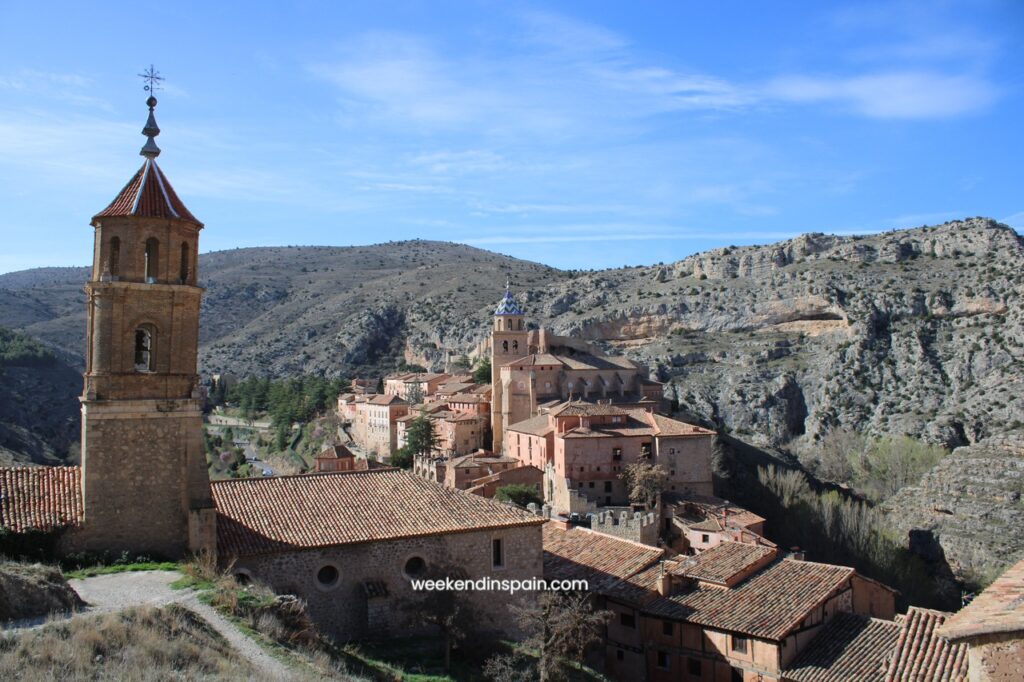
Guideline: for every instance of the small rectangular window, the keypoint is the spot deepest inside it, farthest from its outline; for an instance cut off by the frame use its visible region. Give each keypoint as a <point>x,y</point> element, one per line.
<point>693,666</point>
<point>666,628</point>
<point>619,654</point>
<point>497,553</point>
<point>627,620</point>
<point>663,660</point>
<point>607,486</point>
<point>704,538</point>
<point>739,644</point>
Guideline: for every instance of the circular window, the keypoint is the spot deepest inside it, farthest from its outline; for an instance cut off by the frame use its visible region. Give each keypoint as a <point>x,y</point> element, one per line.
<point>415,567</point>
<point>327,576</point>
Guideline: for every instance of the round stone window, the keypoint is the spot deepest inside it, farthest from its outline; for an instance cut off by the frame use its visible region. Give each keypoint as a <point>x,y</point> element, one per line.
<point>415,567</point>
<point>328,575</point>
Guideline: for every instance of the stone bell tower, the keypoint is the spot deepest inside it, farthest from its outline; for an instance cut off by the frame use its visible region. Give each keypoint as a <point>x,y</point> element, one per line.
<point>508,342</point>
<point>144,477</point>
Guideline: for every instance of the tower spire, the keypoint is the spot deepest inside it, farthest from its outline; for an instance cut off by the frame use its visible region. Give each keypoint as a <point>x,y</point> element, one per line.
<point>153,79</point>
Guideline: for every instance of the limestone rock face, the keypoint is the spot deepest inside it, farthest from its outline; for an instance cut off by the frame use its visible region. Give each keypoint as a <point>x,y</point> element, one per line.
<point>912,332</point>
<point>971,504</point>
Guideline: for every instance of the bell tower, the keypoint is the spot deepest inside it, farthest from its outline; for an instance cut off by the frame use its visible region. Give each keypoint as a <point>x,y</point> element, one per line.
<point>508,342</point>
<point>144,478</point>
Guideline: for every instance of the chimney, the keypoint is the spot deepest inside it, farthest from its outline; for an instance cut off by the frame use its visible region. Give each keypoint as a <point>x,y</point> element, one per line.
<point>664,582</point>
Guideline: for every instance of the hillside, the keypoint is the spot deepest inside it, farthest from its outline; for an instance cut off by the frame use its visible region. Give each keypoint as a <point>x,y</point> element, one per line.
<point>903,332</point>
<point>913,332</point>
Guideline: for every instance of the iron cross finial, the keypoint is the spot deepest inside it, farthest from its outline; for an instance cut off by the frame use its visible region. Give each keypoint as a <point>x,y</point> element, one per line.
<point>152,78</point>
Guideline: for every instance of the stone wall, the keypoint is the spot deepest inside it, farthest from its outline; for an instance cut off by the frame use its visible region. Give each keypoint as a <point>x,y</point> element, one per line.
<point>346,611</point>
<point>144,470</point>
<point>638,527</point>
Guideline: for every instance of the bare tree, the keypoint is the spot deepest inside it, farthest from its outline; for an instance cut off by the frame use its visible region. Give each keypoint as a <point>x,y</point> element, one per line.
<point>447,610</point>
<point>644,482</point>
<point>560,628</point>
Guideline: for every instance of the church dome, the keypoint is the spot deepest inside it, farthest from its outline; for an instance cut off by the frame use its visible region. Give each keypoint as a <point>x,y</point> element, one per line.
<point>508,305</point>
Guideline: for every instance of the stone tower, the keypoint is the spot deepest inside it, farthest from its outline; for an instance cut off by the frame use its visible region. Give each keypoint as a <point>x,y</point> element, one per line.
<point>508,342</point>
<point>144,479</point>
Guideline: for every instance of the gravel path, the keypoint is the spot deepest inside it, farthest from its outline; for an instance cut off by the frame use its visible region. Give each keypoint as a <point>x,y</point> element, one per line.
<point>118,591</point>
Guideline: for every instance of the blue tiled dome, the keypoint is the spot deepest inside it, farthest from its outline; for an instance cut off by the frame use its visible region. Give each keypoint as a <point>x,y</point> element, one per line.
<point>508,305</point>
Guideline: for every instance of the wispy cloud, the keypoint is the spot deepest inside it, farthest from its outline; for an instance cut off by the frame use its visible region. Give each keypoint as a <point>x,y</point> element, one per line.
<point>911,95</point>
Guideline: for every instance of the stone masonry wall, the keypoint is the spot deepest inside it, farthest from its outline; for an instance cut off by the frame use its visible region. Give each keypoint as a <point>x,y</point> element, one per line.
<point>343,610</point>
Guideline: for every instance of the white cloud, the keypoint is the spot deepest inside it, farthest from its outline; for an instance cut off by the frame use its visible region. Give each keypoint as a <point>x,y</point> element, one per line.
<point>1016,220</point>
<point>891,95</point>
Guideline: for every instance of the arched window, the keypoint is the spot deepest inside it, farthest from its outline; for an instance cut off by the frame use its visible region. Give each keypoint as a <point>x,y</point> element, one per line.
<point>152,256</point>
<point>520,325</point>
<point>183,275</point>
<point>504,346</point>
<point>144,348</point>
<point>115,255</point>
<point>508,324</point>
<point>515,345</point>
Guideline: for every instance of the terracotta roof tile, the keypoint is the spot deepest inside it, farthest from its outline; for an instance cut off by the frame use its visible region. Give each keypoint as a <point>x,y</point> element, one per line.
<point>769,604</point>
<point>602,560</point>
<point>387,399</point>
<point>338,451</point>
<point>921,655</point>
<point>999,608</point>
<point>149,194</point>
<point>257,516</point>
<point>41,498</point>
<point>725,562</point>
<point>850,648</point>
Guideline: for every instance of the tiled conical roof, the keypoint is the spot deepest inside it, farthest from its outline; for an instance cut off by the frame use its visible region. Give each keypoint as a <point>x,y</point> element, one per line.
<point>148,194</point>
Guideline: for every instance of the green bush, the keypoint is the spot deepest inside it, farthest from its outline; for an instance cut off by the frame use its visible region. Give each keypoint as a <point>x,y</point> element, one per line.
<point>521,494</point>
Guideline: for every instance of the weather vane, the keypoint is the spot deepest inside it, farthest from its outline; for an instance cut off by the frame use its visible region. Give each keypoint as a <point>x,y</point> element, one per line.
<point>152,78</point>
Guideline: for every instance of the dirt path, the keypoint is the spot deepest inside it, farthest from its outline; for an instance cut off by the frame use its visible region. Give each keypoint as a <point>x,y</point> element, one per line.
<point>118,591</point>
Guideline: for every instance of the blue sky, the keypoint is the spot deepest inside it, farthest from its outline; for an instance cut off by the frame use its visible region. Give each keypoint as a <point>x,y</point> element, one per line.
<point>588,134</point>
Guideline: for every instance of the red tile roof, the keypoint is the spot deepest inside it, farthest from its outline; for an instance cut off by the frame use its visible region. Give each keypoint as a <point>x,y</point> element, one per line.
<point>337,451</point>
<point>999,608</point>
<point>580,553</point>
<point>41,498</point>
<point>724,564</point>
<point>850,648</point>
<point>769,604</point>
<point>922,656</point>
<point>149,194</point>
<point>257,516</point>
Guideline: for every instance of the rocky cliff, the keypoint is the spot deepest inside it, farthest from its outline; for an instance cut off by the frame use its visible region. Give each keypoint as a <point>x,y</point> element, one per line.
<point>915,332</point>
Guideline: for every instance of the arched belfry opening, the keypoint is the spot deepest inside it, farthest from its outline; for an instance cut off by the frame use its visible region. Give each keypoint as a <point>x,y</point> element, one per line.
<point>184,270</point>
<point>152,259</point>
<point>144,338</point>
<point>114,260</point>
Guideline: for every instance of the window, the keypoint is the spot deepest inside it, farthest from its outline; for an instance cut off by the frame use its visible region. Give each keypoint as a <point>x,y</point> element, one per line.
<point>667,628</point>
<point>619,654</point>
<point>693,666</point>
<point>151,259</point>
<point>504,346</point>
<point>607,486</point>
<point>739,644</point>
<point>183,274</point>
<point>645,449</point>
<point>328,575</point>
<point>144,349</point>
<point>704,538</point>
<point>627,620</point>
<point>591,484</point>
<point>616,453</point>
<point>497,553</point>
<point>115,255</point>
<point>663,660</point>
<point>415,567</point>
<point>515,345</point>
